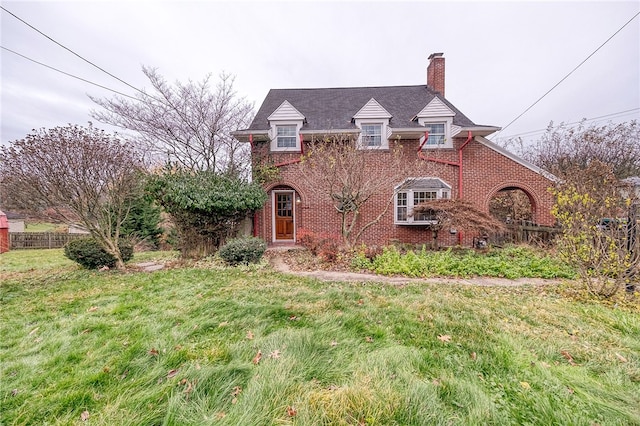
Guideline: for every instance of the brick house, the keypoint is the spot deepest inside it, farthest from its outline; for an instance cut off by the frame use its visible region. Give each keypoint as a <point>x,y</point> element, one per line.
<point>419,118</point>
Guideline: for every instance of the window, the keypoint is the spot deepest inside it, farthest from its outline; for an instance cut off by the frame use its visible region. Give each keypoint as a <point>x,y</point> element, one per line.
<point>436,134</point>
<point>421,197</point>
<point>440,135</point>
<point>286,136</point>
<point>372,134</point>
<point>401,206</point>
<point>414,191</point>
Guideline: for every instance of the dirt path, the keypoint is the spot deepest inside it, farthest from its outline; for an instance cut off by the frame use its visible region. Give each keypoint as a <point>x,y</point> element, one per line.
<point>278,263</point>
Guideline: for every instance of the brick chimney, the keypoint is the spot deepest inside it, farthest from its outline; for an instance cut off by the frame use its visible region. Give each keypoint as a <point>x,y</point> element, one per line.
<point>435,72</point>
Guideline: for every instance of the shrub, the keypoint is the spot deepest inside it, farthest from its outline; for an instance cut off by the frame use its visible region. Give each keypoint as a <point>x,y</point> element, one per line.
<point>321,244</point>
<point>510,262</point>
<point>243,250</point>
<point>205,207</point>
<point>90,254</point>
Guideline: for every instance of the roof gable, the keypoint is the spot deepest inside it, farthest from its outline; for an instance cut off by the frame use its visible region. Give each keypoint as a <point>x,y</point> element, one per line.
<point>436,108</point>
<point>372,109</point>
<point>285,111</point>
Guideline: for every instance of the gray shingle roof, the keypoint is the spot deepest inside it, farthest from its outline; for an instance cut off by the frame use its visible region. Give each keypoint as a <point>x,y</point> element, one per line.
<point>333,108</point>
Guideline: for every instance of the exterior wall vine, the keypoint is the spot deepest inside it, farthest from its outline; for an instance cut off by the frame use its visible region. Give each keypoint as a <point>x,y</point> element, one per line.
<point>485,172</point>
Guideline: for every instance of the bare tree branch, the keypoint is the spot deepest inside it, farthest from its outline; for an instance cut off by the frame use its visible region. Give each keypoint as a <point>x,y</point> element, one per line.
<point>188,124</point>
<point>564,148</point>
<point>336,169</point>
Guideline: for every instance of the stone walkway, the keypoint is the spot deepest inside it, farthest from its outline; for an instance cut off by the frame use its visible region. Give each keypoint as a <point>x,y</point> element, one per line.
<point>149,266</point>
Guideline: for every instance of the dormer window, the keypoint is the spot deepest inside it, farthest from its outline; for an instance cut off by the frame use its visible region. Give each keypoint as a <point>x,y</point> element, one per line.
<point>373,121</point>
<point>286,136</point>
<point>285,124</point>
<point>437,118</point>
<point>372,134</point>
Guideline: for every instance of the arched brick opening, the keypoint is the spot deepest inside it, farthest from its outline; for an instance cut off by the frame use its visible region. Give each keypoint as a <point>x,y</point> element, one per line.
<point>281,216</point>
<point>534,200</point>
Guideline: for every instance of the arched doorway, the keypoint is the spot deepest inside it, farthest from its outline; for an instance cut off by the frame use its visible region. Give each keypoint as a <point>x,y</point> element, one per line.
<point>284,213</point>
<point>512,205</point>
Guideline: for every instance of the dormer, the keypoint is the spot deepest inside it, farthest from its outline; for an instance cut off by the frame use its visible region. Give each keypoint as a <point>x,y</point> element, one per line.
<point>284,128</point>
<point>373,121</point>
<point>438,118</point>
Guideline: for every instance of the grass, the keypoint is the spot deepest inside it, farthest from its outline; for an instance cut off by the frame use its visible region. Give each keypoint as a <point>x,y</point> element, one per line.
<point>43,227</point>
<point>175,347</point>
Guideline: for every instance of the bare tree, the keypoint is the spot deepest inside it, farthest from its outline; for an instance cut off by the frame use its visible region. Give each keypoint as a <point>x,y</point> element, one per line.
<point>339,171</point>
<point>84,174</point>
<point>565,148</point>
<point>188,124</point>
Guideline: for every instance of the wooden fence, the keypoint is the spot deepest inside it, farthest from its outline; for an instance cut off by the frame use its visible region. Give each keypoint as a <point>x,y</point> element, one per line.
<point>40,240</point>
<point>530,234</point>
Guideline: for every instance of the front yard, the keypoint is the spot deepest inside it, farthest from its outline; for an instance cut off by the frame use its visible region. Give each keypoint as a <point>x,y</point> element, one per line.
<point>202,344</point>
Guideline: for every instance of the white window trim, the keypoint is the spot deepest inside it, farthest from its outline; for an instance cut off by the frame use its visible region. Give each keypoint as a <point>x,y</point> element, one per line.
<point>384,136</point>
<point>440,194</point>
<point>273,135</point>
<point>448,140</point>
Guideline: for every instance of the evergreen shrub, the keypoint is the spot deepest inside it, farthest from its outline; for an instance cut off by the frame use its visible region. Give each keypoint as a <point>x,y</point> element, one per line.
<point>243,250</point>
<point>90,254</point>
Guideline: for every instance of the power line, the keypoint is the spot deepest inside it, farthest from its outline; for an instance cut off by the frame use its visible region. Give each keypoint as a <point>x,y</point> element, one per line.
<point>575,122</point>
<point>69,50</point>
<point>66,73</point>
<point>567,76</point>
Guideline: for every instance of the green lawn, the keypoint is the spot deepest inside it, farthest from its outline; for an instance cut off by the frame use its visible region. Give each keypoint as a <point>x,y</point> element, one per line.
<point>42,227</point>
<point>175,347</point>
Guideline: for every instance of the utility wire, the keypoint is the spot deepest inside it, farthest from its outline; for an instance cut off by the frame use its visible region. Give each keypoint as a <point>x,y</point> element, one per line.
<point>66,73</point>
<point>567,76</point>
<point>69,50</point>
<point>575,122</point>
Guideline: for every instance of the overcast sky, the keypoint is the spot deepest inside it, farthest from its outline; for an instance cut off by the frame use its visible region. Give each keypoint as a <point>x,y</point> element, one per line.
<point>500,56</point>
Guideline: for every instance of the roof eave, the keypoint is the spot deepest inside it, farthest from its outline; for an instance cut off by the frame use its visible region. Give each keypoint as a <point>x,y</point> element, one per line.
<point>256,135</point>
<point>480,130</point>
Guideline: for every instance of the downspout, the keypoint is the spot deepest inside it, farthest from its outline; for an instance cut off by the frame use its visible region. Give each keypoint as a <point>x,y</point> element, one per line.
<point>460,169</point>
<point>255,215</point>
<point>459,165</point>
<point>434,160</point>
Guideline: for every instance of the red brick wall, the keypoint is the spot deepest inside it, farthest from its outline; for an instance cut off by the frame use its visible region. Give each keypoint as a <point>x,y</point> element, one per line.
<point>435,74</point>
<point>485,172</point>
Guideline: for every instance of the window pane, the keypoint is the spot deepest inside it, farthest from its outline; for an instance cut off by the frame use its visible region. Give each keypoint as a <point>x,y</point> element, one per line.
<point>402,214</point>
<point>437,128</point>
<point>286,130</point>
<point>286,142</point>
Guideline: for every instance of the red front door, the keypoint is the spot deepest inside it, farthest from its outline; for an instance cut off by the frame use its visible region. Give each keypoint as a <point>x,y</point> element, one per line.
<point>283,206</point>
